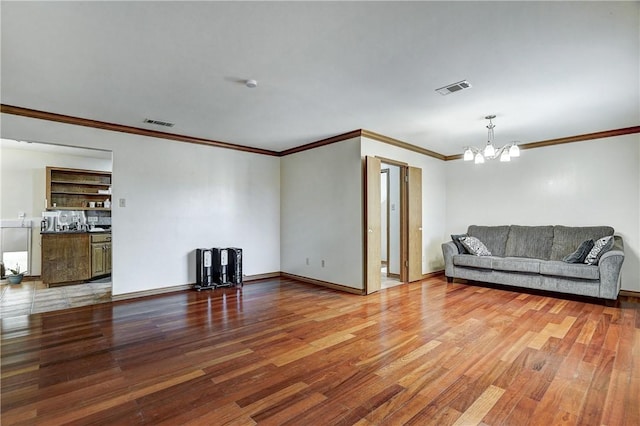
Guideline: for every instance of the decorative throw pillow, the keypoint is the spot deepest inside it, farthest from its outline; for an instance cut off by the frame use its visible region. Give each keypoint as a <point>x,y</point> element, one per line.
<point>600,247</point>
<point>475,246</point>
<point>456,239</point>
<point>581,253</point>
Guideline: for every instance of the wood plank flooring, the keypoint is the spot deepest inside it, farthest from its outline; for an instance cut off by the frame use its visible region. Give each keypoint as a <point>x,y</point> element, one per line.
<point>281,352</point>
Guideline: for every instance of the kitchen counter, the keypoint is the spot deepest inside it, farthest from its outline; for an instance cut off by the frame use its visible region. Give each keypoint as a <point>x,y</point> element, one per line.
<point>75,256</point>
<point>106,231</point>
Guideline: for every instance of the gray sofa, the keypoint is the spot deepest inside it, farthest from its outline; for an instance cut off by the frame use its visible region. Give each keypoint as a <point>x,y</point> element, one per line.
<point>532,257</point>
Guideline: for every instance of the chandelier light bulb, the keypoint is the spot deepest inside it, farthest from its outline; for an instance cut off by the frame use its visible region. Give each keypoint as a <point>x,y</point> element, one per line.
<point>504,157</point>
<point>468,154</point>
<point>479,159</point>
<point>514,151</point>
<point>489,150</point>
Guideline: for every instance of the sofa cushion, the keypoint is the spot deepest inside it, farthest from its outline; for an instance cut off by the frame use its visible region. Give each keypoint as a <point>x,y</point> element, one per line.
<point>472,261</point>
<point>569,270</point>
<point>456,240</point>
<point>475,246</point>
<point>530,241</point>
<point>494,237</point>
<point>567,238</point>
<point>580,254</point>
<point>600,247</point>
<point>516,264</point>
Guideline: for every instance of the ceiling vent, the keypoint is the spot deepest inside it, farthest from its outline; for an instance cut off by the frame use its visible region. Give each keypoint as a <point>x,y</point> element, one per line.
<point>159,123</point>
<point>455,87</point>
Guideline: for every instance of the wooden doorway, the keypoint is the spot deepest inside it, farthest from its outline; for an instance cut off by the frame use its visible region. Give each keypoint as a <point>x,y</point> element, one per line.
<point>410,226</point>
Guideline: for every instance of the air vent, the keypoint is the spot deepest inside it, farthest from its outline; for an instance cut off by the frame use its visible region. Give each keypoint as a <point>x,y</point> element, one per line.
<point>455,87</point>
<point>159,123</point>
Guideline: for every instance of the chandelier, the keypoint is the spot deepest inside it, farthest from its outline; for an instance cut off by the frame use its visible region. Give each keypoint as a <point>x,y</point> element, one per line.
<point>490,152</point>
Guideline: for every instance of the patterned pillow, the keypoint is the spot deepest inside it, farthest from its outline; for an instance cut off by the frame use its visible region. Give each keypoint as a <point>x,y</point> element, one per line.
<point>600,247</point>
<point>456,240</point>
<point>475,246</point>
<point>581,253</point>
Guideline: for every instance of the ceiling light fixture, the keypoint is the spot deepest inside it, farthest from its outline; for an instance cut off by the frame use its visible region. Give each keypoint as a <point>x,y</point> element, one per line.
<point>490,152</point>
<point>251,84</point>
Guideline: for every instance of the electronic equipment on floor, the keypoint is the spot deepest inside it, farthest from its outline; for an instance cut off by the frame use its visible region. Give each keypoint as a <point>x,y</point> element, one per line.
<point>218,267</point>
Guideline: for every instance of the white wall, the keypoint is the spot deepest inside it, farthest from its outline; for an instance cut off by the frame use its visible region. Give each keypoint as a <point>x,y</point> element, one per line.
<point>585,183</point>
<point>23,182</point>
<point>433,197</point>
<point>179,197</point>
<point>321,205</point>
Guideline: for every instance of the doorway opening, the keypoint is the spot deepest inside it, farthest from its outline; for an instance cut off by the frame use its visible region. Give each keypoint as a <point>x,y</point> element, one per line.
<point>409,209</point>
<point>24,167</point>
<point>391,225</point>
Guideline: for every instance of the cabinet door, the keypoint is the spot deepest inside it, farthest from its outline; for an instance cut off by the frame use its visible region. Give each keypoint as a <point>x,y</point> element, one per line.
<point>97,259</point>
<point>107,258</point>
<point>65,258</point>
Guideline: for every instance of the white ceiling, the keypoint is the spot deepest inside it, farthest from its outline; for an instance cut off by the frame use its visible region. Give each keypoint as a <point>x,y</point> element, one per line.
<point>546,69</point>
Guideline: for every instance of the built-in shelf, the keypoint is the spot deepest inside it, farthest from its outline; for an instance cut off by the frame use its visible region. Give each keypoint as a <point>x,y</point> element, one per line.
<point>81,193</point>
<point>73,189</point>
<point>67,182</point>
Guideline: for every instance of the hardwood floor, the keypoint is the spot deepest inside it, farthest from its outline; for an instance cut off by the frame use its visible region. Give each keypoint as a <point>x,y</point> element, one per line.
<point>284,352</point>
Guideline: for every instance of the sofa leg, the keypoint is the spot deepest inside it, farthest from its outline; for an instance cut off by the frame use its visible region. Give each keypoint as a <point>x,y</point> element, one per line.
<point>449,280</point>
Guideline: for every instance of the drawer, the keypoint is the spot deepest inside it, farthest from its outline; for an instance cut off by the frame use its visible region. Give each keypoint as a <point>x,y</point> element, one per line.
<point>100,238</point>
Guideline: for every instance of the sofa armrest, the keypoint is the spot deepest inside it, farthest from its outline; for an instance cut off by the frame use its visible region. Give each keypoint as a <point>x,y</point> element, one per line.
<point>449,249</point>
<point>610,265</point>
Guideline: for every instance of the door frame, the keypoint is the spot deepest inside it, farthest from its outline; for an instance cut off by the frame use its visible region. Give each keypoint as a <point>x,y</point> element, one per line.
<point>404,216</point>
<point>404,226</point>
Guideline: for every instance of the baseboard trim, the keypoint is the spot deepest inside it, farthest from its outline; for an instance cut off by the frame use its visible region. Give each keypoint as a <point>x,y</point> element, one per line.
<point>163,290</point>
<point>321,283</point>
<point>629,293</point>
<point>432,274</point>
<point>150,292</point>
<point>257,277</point>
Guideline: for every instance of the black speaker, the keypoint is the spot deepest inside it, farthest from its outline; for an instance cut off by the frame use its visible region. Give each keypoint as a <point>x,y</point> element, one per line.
<point>220,266</point>
<point>204,267</point>
<point>235,265</point>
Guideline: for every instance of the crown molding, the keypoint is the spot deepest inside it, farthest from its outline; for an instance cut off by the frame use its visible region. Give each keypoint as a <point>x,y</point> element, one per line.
<point>323,142</point>
<point>401,144</point>
<point>568,139</point>
<point>68,119</point>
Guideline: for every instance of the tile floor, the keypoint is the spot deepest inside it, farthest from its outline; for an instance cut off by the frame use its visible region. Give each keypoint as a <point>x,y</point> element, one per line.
<point>32,297</point>
<point>388,282</point>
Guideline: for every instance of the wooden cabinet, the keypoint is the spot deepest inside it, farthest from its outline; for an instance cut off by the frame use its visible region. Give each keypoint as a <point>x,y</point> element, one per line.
<point>100,254</point>
<point>74,189</point>
<point>65,258</point>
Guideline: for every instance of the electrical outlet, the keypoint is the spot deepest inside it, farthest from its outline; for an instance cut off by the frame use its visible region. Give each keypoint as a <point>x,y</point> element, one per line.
<point>307,261</point>
<point>323,263</point>
<point>122,202</point>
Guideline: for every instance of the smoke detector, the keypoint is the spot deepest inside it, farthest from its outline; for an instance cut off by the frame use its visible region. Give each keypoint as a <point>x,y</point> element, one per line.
<point>251,84</point>
<point>454,87</point>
